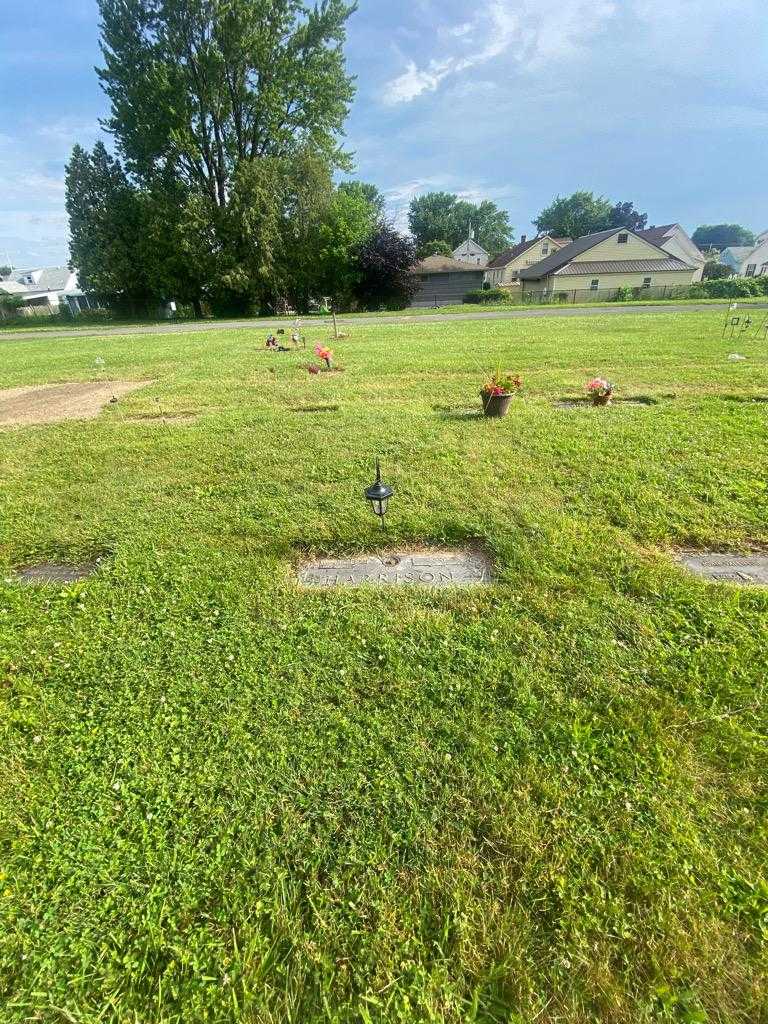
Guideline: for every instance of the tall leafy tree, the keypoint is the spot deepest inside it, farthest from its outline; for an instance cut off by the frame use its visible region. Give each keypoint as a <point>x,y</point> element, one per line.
<point>443,217</point>
<point>572,216</point>
<point>330,267</point>
<point>431,217</point>
<point>204,86</point>
<point>107,228</point>
<point>368,191</point>
<point>437,248</point>
<point>624,215</point>
<point>227,117</point>
<point>384,264</point>
<point>722,235</point>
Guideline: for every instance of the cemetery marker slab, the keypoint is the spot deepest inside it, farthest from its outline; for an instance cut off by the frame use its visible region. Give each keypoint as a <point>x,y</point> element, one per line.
<point>746,570</point>
<point>427,569</point>
<point>51,573</point>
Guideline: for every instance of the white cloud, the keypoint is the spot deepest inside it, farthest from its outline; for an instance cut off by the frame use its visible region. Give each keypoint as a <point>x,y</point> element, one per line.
<point>460,30</point>
<point>530,32</point>
<point>29,238</point>
<point>17,186</point>
<point>413,82</point>
<point>66,131</point>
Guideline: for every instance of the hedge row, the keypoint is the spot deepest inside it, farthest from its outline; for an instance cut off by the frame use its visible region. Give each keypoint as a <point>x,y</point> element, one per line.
<point>729,288</point>
<point>483,296</point>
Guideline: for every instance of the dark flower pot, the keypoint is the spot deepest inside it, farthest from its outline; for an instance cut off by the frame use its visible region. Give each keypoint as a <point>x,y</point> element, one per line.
<point>601,399</point>
<point>495,405</point>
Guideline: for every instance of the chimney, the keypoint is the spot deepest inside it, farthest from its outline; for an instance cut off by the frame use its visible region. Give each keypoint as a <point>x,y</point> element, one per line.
<point>522,238</point>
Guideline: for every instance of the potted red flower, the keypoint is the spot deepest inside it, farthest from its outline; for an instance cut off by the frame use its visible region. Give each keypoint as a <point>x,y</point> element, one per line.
<point>498,392</point>
<point>600,391</point>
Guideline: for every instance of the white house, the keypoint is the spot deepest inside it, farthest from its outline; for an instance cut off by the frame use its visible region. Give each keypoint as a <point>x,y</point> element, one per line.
<point>748,260</point>
<point>672,238</point>
<point>606,261</point>
<point>47,287</point>
<point>472,252</point>
<point>505,269</point>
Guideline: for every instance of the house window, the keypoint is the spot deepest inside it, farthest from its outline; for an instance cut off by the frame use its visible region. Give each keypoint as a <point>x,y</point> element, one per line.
<point>545,249</point>
<point>595,284</point>
<point>646,282</point>
<point>623,238</point>
<point>751,267</point>
<point>764,269</point>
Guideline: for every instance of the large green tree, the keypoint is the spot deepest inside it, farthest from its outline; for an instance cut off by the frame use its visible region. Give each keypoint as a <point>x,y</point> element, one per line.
<point>206,85</point>
<point>107,221</point>
<point>575,215</point>
<point>722,235</point>
<point>369,192</point>
<point>384,267</point>
<point>444,217</point>
<point>624,215</point>
<point>227,117</point>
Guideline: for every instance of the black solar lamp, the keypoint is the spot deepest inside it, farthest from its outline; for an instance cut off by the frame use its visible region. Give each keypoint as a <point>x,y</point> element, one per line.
<point>378,494</point>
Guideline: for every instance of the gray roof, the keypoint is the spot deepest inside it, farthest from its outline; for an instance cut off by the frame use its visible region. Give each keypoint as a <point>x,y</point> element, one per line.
<point>508,255</point>
<point>52,279</point>
<point>511,254</point>
<point>13,287</point>
<point>740,252</point>
<point>658,234</point>
<point>558,259</point>
<point>445,265</point>
<point>621,267</point>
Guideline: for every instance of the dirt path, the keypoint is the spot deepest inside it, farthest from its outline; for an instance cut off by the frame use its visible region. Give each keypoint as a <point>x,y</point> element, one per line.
<point>51,403</point>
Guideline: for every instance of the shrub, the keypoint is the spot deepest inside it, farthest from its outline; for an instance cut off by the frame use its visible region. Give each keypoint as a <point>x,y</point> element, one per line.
<point>732,287</point>
<point>10,304</point>
<point>491,296</point>
<point>623,294</point>
<point>714,271</point>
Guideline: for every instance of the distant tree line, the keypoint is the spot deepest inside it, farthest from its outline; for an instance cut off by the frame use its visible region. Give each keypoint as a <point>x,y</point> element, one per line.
<point>441,221</point>
<point>721,236</point>
<point>584,213</point>
<point>226,117</point>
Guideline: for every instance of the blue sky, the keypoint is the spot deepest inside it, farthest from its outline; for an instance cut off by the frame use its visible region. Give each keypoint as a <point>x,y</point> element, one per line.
<point>662,102</point>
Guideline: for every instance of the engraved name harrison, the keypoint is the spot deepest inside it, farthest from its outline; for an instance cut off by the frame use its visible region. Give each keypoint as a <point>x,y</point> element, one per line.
<point>437,570</point>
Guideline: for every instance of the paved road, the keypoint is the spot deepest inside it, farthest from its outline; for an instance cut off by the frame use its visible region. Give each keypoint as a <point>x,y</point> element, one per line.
<point>367,321</point>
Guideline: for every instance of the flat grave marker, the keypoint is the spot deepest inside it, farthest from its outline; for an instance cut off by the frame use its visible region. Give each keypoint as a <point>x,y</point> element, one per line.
<point>745,570</point>
<point>426,568</point>
<point>50,572</point>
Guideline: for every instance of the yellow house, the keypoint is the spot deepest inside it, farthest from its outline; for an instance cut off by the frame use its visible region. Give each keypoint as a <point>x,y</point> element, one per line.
<point>504,270</point>
<point>605,261</point>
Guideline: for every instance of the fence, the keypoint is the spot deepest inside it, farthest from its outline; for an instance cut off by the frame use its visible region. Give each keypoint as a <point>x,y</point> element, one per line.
<point>575,295</point>
<point>25,312</point>
<point>571,296</point>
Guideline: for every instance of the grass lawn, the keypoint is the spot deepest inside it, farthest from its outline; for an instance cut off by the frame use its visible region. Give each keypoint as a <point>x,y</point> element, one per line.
<point>465,308</point>
<point>502,307</point>
<point>225,799</point>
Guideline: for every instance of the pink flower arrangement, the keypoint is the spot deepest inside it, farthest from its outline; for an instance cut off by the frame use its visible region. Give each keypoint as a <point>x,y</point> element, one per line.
<point>325,354</point>
<point>502,384</point>
<point>600,390</point>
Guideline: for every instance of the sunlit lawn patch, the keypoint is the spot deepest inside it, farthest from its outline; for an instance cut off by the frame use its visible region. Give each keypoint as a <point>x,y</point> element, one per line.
<point>228,798</point>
